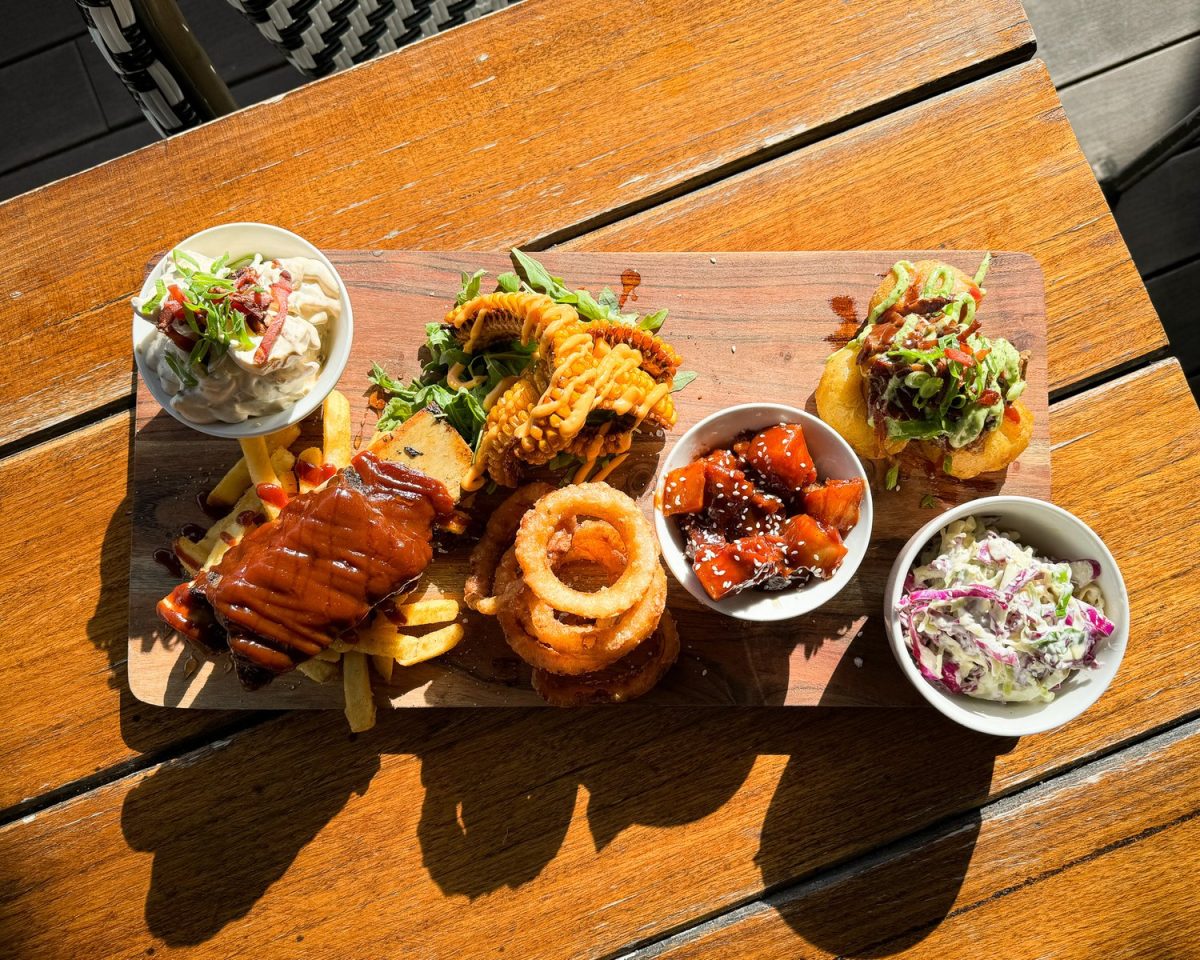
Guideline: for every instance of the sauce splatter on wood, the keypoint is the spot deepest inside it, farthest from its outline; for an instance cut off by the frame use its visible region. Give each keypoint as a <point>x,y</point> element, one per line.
<point>629,283</point>
<point>848,315</point>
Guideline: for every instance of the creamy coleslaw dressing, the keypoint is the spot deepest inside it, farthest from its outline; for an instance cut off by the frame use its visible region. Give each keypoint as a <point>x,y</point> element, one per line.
<point>235,388</point>
<point>986,616</point>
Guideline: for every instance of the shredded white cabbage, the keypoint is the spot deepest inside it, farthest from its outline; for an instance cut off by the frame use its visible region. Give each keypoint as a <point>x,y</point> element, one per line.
<point>986,616</point>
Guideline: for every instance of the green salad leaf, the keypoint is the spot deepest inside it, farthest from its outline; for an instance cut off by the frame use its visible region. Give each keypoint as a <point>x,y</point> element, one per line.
<point>462,407</point>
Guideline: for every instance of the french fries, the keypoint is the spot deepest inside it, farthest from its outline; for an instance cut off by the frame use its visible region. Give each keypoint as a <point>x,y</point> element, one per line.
<point>335,422</point>
<point>318,670</point>
<point>384,638</point>
<point>383,666</point>
<point>207,552</point>
<point>314,457</point>
<point>356,682</point>
<point>237,479</point>
<point>262,471</point>
<point>429,645</point>
<point>422,612</point>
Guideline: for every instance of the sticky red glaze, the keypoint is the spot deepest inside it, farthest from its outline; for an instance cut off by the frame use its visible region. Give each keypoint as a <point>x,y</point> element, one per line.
<point>813,546</point>
<point>780,454</point>
<point>314,474</point>
<point>760,519</point>
<point>273,494</point>
<point>836,503</point>
<point>293,585</point>
<point>684,490</point>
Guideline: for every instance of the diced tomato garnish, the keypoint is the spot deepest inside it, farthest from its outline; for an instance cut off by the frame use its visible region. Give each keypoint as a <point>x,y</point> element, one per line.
<point>1010,413</point>
<point>741,563</point>
<point>960,356</point>
<point>988,397</point>
<point>835,503</point>
<point>976,293</point>
<point>781,455</point>
<point>813,546</point>
<point>683,491</point>
<point>176,293</point>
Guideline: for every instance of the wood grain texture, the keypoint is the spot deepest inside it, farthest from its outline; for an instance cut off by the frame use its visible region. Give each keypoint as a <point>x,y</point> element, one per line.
<point>893,184</point>
<point>1080,38</point>
<point>460,141</point>
<point>450,833</point>
<point>1099,864</point>
<point>1119,114</point>
<point>64,574</point>
<point>754,327</point>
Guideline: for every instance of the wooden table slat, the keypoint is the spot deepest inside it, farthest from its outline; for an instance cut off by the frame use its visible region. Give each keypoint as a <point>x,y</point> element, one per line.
<point>555,113</point>
<point>897,183</point>
<point>683,812</point>
<point>1061,871</point>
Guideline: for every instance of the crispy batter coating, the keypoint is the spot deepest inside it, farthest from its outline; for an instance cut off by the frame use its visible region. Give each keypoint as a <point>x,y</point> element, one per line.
<point>842,403</point>
<point>578,369</point>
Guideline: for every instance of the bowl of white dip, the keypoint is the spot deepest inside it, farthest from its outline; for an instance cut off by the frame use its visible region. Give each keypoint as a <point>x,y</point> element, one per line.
<point>256,369</point>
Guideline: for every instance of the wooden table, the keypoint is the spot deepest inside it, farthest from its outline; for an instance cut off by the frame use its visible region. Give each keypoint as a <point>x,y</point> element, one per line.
<point>673,125</point>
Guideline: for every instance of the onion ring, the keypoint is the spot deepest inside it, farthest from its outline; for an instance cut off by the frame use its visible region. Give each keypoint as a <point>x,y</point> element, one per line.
<point>514,614</point>
<point>592,500</point>
<point>497,536</point>
<point>628,678</point>
<point>605,641</point>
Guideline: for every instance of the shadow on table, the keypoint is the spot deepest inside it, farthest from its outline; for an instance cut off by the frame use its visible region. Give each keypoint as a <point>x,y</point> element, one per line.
<point>501,788</point>
<point>878,789</point>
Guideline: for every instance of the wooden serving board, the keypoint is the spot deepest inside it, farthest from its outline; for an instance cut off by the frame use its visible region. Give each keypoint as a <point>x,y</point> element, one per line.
<point>754,327</point>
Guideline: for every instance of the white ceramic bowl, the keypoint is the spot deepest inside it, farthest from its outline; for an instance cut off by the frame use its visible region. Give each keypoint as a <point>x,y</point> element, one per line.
<point>1053,533</point>
<point>239,239</point>
<point>833,459</point>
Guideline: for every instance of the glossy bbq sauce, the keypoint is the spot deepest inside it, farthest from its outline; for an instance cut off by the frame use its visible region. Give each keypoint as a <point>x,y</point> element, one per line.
<point>844,308</point>
<point>168,561</point>
<point>216,511</point>
<point>314,474</point>
<point>272,494</point>
<point>193,532</point>
<point>629,283</point>
<point>285,592</point>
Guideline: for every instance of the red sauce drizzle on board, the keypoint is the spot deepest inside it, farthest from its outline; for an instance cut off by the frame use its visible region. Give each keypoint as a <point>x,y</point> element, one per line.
<point>168,561</point>
<point>844,308</point>
<point>210,509</point>
<point>629,283</point>
<point>193,532</point>
<point>314,474</point>
<point>273,494</point>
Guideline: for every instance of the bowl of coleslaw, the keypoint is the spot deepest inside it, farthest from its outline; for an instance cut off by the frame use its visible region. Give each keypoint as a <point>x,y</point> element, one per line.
<point>1008,614</point>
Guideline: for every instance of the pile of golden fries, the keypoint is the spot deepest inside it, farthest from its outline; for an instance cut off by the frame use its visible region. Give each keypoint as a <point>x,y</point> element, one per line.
<point>386,641</point>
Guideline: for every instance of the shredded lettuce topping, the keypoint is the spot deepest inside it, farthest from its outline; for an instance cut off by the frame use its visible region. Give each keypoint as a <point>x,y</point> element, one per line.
<point>205,296</point>
<point>986,616</point>
<point>941,379</point>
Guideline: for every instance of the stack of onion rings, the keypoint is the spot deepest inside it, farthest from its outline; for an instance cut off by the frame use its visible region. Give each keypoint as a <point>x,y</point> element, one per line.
<point>579,594</point>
